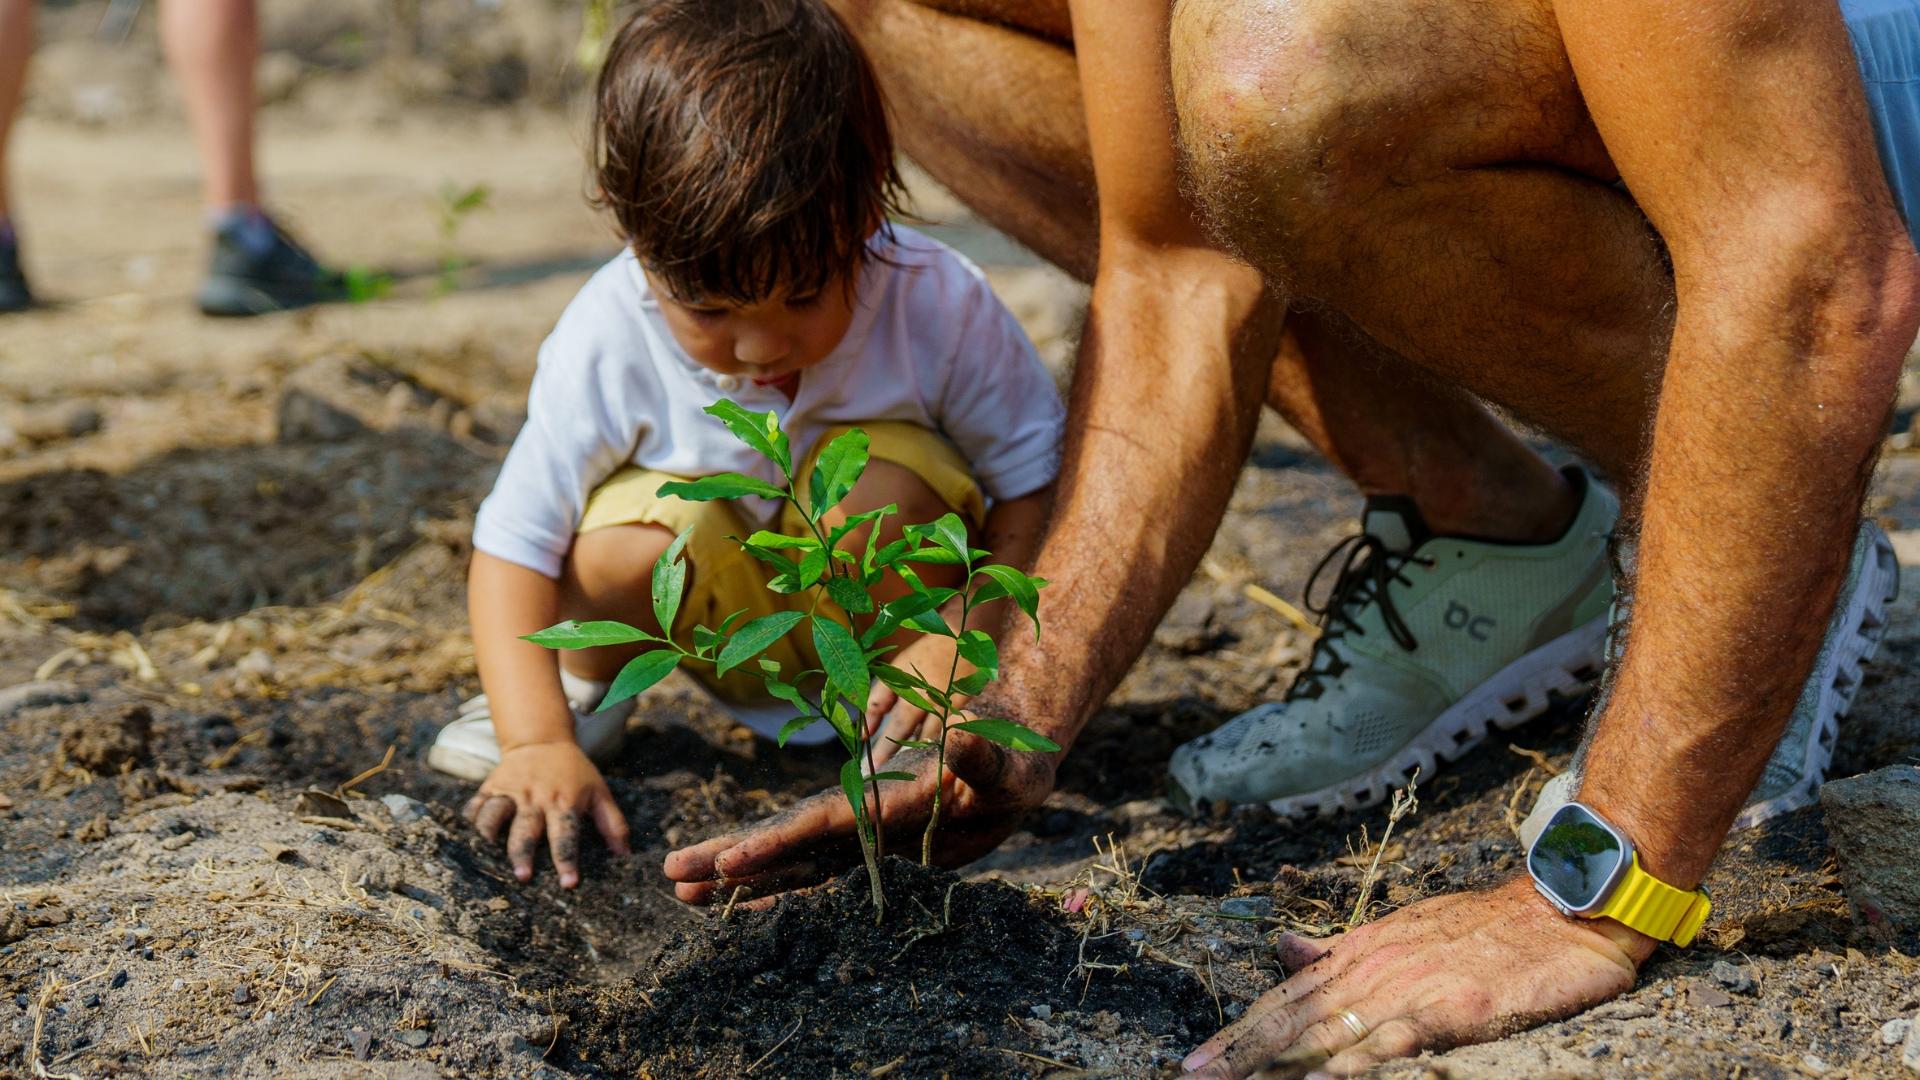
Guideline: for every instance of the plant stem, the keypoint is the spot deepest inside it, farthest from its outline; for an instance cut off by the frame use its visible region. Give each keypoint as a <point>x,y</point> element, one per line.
<point>946,713</point>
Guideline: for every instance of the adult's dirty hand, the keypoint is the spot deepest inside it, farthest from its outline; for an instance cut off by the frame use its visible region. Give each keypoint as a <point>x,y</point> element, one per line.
<point>548,790</point>
<point>1457,969</point>
<point>988,789</point>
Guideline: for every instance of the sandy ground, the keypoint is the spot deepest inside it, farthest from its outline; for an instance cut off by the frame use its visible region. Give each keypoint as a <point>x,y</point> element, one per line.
<point>223,603</point>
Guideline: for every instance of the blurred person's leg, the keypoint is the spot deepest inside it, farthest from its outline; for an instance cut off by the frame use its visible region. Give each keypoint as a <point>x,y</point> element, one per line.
<point>16,46</point>
<point>211,47</point>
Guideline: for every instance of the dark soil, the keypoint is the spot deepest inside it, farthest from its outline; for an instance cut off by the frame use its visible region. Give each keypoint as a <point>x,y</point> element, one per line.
<point>962,979</point>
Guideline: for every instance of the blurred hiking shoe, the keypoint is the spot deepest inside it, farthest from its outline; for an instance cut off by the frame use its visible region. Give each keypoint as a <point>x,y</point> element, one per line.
<point>257,268</point>
<point>469,749</point>
<point>1426,642</point>
<point>14,294</point>
<point>1799,763</point>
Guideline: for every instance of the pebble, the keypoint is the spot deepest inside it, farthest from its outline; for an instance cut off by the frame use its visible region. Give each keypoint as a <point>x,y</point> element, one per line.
<point>1733,977</point>
<point>119,979</point>
<point>23,1001</point>
<point>1894,1032</point>
<point>242,995</point>
<point>1813,1065</point>
<point>1910,1053</point>
<point>1043,1012</point>
<point>1599,1050</point>
<point>1247,907</point>
<point>1216,947</point>
<point>405,810</point>
<point>414,1037</point>
<point>1136,934</point>
<point>1700,994</point>
<point>92,1001</point>
<point>1873,825</point>
<point>361,1043</point>
<point>178,985</point>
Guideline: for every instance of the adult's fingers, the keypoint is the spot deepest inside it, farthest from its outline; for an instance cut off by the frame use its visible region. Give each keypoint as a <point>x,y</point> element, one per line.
<point>492,815</point>
<point>1396,1038</point>
<point>563,843</point>
<point>787,878</point>
<point>611,822</point>
<point>902,723</point>
<point>523,841</point>
<point>1280,1016</point>
<point>815,821</point>
<point>880,701</point>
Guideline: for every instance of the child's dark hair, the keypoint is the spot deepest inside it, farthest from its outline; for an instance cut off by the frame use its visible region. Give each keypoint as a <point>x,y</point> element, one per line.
<point>742,146</point>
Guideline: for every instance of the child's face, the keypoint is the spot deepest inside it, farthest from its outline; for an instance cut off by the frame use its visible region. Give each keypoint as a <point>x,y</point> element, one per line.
<point>768,342</point>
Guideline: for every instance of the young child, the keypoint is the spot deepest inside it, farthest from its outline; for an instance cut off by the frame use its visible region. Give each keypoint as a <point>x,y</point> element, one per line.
<point>743,149</point>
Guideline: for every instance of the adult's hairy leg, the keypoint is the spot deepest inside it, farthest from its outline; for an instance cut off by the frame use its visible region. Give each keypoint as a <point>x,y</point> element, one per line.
<point>986,96</point>
<point>1430,171</point>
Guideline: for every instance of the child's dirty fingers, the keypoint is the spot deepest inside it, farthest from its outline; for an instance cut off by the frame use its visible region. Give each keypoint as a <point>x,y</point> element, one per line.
<point>611,822</point>
<point>523,839</point>
<point>492,816</point>
<point>563,843</point>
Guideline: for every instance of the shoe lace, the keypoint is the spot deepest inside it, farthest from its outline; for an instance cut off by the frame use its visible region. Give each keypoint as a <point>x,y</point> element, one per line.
<point>1367,568</point>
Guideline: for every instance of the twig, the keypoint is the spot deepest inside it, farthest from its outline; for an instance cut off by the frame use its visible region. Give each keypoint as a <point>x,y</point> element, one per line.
<point>735,895</point>
<point>369,774</point>
<point>1404,803</point>
<point>1055,1062</point>
<point>797,1021</point>
<point>323,989</point>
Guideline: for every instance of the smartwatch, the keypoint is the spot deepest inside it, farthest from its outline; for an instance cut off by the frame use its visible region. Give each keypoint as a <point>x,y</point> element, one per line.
<point>1587,868</point>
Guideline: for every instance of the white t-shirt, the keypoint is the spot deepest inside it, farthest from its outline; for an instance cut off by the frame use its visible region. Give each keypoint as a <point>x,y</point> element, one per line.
<point>929,344</point>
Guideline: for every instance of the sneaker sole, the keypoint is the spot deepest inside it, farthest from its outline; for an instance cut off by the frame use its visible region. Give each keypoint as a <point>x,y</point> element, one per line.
<point>1866,627</point>
<point>1568,665</point>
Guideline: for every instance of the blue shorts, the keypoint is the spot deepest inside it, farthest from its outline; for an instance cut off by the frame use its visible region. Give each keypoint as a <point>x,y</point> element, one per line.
<point>1886,42</point>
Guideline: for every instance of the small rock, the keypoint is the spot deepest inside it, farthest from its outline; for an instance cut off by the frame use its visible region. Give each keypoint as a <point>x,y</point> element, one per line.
<point>1235,1011</point>
<point>1733,977</point>
<point>1136,934</point>
<point>1705,996</point>
<point>242,995</point>
<point>316,803</point>
<point>498,903</point>
<point>1043,1012</point>
<point>413,1037</point>
<point>1873,822</point>
<point>405,810</point>
<point>1247,907</point>
<point>92,1001</point>
<point>1813,1065</point>
<point>1218,948</point>
<point>178,985</point>
<point>1599,1050</point>
<point>1894,1032</point>
<point>119,979</point>
<point>360,1043</point>
<point>1910,1053</point>
<point>129,940</point>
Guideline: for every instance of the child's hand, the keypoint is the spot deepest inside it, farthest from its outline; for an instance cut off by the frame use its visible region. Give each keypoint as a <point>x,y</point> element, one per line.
<point>547,788</point>
<point>931,657</point>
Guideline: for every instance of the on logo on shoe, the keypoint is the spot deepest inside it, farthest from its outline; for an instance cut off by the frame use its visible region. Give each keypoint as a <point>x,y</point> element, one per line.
<point>1458,617</point>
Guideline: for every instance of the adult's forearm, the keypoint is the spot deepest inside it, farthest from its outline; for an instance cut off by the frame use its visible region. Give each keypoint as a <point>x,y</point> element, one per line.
<point>1769,419</point>
<point>1165,398</point>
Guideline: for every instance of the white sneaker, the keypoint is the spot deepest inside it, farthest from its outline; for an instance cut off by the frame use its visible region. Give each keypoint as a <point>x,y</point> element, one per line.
<point>469,749</point>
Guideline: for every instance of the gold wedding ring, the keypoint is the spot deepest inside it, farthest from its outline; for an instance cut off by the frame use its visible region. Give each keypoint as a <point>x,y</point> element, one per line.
<point>1354,1024</point>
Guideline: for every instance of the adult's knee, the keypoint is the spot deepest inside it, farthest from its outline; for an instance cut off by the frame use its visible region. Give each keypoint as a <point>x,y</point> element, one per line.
<point>1288,123</point>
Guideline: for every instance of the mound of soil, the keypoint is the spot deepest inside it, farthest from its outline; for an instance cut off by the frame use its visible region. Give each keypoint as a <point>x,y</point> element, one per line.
<point>962,979</point>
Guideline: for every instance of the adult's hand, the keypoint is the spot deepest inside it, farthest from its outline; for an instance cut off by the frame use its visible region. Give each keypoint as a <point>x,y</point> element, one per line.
<point>550,790</point>
<point>1444,972</point>
<point>987,789</point>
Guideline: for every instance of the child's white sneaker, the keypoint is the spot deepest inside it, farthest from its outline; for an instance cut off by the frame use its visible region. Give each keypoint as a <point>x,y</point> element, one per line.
<point>469,749</point>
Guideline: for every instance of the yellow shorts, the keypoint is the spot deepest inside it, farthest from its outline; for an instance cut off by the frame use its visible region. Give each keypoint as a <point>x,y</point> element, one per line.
<point>725,579</point>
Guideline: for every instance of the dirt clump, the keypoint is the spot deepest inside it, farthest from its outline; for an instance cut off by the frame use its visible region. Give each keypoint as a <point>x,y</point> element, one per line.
<point>109,745</point>
<point>962,979</point>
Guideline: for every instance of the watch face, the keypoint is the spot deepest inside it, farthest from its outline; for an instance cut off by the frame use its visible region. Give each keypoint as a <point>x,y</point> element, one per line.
<point>1577,859</point>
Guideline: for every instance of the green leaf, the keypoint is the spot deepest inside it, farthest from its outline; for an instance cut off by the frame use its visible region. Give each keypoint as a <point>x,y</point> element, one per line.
<point>771,667</point>
<point>752,639</point>
<point>854,521</point>
<point>975,682</point>
<point>670,583</point>
<point>933,556</point>
<point>888,555</point>
<point>813,567</point>
<point>843,726</point>
<point>895,612</point>
<point>795,726</point>
<point>782,542</point>
<point>640,673</point>
<point>761,431</point>
<point>1008,733</point>
<point>914,744</point>
<point>726,485</point>
<point>976,647</point>
<point>948,534</point>
<point>841,656</point>
<point>588,635</point>
<point>788,693</point>
<point>851,783</point>
<point>704,640</point>
<point>837,470</point>
<point>893,776</point>
<point>849,595</point>
<point>1006,581</point>
<point>912,689</point>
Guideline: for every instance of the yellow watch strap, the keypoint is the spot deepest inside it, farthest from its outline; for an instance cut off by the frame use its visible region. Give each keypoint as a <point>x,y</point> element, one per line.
<point>1645,903</point>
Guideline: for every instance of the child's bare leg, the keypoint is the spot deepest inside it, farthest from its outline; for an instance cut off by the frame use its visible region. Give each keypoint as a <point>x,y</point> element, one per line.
<point>609,575</point>
<point>212,46</point>
<point>16,47</point>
